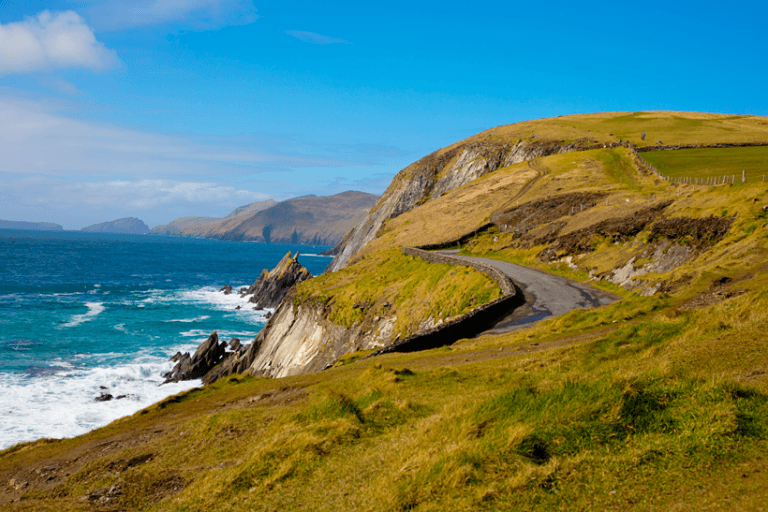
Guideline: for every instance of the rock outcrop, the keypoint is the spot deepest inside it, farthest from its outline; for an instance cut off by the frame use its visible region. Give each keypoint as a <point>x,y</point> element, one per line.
<point>435,175</point>
<point>211,361</point>
<point>209,354</point>
<point>270,288</point>
<point>128,226</point>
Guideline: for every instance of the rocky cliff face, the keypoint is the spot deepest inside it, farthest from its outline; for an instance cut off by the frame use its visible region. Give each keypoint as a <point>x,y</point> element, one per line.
<point>436,174</point>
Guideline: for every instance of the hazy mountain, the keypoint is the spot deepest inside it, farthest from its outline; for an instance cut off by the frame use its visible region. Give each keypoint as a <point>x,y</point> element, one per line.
<point>32,226</point>
<point>128,225</point>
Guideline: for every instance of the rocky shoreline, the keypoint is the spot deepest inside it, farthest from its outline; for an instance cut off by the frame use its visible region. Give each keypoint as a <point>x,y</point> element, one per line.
<point>215,359</point>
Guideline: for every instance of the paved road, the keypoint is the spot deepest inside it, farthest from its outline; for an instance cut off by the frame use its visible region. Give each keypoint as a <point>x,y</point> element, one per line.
<point>546,295</point>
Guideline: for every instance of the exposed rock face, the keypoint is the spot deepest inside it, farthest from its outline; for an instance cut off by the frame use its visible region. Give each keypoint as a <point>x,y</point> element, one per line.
<point>300,339</point>
<point>270,288</point>
<point>128,225</point>
<point>436,174</point>
<point>208,355</point>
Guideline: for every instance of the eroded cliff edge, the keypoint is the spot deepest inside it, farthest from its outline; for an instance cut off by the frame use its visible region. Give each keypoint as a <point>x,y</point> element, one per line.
<point>438,173</point>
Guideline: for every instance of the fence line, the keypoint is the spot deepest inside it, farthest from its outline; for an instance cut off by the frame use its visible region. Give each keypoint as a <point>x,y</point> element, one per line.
<point>692,180</point>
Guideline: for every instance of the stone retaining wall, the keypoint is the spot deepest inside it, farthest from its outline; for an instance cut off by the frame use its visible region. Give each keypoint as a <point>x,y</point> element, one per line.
<point>469,324</point>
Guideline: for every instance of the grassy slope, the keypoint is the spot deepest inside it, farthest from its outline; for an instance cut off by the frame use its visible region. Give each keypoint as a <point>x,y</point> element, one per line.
<point>399,286</point>
<point>645,404</point>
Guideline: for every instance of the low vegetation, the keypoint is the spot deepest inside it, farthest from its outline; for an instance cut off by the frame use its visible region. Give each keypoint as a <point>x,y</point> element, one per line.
<point>656,402</point>
<point>396,285</point>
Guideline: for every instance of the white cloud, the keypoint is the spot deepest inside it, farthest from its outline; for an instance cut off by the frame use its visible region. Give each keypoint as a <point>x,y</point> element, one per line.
<point>51,40</point>
<point>312,37</point>
<point>197,14</point>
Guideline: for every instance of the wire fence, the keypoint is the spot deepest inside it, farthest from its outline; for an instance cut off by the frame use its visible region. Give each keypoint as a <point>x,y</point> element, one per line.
<point>726,179</point>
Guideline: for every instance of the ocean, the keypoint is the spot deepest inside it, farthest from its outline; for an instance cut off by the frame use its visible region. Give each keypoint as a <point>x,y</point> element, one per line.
<point>82,314</point>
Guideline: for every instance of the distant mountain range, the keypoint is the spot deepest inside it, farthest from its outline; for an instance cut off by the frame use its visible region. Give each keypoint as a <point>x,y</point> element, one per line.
<point>177,226</point>
<point>302,220</point>
<point>32,226</point>
<point>127,225</point>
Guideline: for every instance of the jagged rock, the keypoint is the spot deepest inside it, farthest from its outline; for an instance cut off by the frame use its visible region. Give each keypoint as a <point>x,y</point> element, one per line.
<point>104,397</point>
<point>227,289</point>
<point>208,354</point>
<point>236,362</point>
<point>238,307</point>
<point>270,288</point>
<point>234,344</point>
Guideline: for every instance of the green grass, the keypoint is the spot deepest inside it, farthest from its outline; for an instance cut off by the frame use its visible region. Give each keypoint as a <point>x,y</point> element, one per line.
<point>715,162</point>
<point>396,285</point>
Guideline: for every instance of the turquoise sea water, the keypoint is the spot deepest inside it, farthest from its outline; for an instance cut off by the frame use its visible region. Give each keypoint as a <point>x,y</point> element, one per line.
<point>83,314</point>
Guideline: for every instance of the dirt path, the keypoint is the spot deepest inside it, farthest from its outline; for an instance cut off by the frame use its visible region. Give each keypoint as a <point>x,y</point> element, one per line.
<point>546,295</point>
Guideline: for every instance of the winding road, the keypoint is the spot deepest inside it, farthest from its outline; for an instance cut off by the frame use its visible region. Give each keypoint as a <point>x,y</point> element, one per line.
<point>546,295</point>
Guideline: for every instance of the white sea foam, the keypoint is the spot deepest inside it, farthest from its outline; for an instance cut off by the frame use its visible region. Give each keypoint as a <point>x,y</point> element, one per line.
<point>202,335</point>
<point>63,404</point>
<point>213,298</point>
<point>315,255</point>
<point>189,320</point>
<point>94,308</point>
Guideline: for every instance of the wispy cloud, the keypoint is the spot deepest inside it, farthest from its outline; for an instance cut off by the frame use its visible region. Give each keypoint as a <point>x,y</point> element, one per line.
<point>194,14</point>
<point>51,40</point>
<point>312,37</point>
<point>35,139</point>
<point>76,204</point>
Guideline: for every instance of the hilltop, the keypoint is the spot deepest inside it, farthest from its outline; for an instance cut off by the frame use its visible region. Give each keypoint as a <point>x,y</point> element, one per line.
<point>656,401</point>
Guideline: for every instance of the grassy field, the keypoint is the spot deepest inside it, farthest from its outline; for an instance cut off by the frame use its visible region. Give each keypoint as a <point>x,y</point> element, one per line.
<point>712,162</point>
<point>652,403</point>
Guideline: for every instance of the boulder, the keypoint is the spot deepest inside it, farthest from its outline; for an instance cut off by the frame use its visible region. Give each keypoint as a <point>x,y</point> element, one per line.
<point>208,354</point>
<point>227,289</point>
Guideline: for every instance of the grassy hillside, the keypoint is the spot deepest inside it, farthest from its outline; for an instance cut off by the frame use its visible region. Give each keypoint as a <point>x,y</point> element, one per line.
<point>656,402</point>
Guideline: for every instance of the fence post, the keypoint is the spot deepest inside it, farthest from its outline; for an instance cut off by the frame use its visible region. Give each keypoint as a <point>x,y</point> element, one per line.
<point>743,176</point>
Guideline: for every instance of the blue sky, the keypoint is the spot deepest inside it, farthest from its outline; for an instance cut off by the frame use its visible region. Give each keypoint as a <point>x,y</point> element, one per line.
<point>166,108</point>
